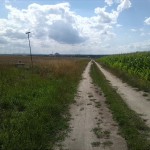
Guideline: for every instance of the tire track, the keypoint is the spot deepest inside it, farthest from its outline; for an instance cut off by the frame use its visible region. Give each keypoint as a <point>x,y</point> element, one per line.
<point>92,126</point>
<point>134,99</point>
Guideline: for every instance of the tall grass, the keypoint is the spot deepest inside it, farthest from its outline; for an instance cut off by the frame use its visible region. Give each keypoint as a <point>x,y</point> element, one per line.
<point>34,105</point>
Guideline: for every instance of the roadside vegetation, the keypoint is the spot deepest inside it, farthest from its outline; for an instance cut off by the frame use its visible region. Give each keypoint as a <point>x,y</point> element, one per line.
<point>133,68</point>
<point>34,105</point>
<point>132,127</point>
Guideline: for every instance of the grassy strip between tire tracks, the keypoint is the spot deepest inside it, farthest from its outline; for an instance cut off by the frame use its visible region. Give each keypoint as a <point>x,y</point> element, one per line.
<point>34,106</point>
<point>132,127</point>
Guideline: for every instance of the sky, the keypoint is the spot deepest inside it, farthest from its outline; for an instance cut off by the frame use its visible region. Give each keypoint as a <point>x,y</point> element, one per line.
<point>74,26</point>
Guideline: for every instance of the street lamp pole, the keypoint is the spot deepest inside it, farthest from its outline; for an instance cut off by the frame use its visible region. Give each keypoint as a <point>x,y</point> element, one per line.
<point>28,33</point>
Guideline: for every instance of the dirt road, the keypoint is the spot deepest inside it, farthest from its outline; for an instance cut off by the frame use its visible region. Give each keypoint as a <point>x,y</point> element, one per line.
<point>92,126</point>
<point>136,100</point>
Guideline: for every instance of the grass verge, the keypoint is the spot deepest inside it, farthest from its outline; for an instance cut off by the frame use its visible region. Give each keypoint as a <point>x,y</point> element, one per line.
<point>130,79</point>
<point>132,127</point>
<point>34,106</point>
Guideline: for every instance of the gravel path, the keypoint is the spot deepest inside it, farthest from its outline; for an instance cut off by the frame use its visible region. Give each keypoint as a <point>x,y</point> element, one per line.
<point>137,100</point>
<point>92,126</point>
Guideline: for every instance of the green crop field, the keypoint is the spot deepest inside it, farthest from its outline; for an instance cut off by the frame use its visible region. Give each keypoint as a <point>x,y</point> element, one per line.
<point>134,67</point>
<point>34,104</point>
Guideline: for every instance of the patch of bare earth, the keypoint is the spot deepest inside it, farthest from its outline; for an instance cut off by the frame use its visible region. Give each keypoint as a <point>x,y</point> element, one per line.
<point>138,101</point>
<point>92,126</point>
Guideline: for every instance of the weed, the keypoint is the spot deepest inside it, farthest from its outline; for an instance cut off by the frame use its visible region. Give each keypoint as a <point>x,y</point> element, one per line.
<point>90,96</point>
<point>89,103</point>
<point>145,94</point>
<point>101,134</point>
<point>98,104</point>
<point>93,99</point>
<point>107,143</point>
<point>81,109</point>
<point>97,132</point>
<point>96,144</point>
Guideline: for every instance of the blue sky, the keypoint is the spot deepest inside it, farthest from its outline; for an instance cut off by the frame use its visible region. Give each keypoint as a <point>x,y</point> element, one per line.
<point>75,26</point>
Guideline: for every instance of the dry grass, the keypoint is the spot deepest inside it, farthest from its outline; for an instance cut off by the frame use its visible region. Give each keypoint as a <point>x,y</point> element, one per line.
<point>34,105</point>
<point>57,66</point>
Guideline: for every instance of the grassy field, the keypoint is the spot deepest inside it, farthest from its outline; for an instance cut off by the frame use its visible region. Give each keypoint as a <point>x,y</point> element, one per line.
<point>34,105</point>
<point>133,68</point>
<point>132,127</point>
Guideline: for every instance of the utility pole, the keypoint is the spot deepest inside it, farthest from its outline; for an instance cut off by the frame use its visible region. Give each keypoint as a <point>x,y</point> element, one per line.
<point>28,33</point>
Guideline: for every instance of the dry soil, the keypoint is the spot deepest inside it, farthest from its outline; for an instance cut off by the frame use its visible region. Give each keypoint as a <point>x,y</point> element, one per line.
<point>92,126</point>
<point>138,101</point>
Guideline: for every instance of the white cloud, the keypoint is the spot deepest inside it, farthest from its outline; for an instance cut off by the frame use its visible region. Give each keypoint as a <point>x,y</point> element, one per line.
<point>111,17</point>
<point>142,34</point>
<point>109,2</point>
<point>131,46</point>
<point>106,17</point>
<point>140,31</point>
<point>65,33</point>
<point>138,46</point>
<point>44,21</point>
<point>57,27</point>
<point>118,25</point>
<point>147,21</point>
<point>3,41</point>
<point>133,30</point>
<point>125,4</point>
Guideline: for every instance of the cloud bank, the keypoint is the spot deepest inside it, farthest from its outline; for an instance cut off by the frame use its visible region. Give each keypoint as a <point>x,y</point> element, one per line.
<point>147,21</point>
<point>58,27</point>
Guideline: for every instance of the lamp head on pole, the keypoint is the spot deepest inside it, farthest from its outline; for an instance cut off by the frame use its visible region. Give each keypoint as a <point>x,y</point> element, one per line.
<point>28,32</point>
